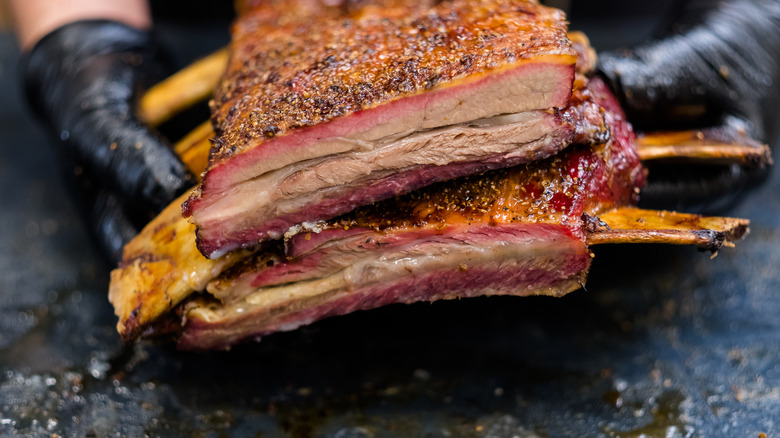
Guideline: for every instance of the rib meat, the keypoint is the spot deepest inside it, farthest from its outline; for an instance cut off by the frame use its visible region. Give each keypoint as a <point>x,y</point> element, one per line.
<point>286,163</point>
<point>323,109</point>
<point>518,231</point>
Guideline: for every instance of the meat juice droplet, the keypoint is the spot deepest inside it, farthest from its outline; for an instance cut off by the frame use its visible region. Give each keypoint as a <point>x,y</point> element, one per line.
<point>560,201</point>
<point>580,164</point>
<point>533,190</point>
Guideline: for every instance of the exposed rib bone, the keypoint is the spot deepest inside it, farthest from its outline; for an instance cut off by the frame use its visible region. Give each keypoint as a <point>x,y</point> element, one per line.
<point>180,91</point>
<point>634,225</point>
<point>161,266</point>
<point>193,149</point>
<point>721,145</point>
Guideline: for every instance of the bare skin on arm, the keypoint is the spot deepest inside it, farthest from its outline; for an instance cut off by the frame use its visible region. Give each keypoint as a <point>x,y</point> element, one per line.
<point>35,18</point>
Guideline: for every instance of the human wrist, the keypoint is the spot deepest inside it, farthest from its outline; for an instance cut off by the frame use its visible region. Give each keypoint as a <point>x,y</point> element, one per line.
<point>36,18</point>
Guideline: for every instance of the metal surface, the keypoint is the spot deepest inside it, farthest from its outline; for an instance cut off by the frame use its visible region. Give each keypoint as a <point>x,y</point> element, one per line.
<point>665,342</point>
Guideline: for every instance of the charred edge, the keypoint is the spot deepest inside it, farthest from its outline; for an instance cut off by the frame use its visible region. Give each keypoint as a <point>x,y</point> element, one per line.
<point>141,259</point>
<point>167,326</point>
<point>187,205</point>
<point>199,241</point>
<point>604,136</point>
<point>712,240</point>
<point>132,329</point>
<point>760,159</point>
<point>592,224</point>
<point>738,232</point>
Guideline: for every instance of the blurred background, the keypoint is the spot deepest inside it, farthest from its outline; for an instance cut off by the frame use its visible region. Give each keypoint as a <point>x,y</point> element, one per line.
<point>665,342</point>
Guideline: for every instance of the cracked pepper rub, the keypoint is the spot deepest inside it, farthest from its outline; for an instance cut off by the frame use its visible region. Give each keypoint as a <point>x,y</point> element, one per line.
<point>306,63</point>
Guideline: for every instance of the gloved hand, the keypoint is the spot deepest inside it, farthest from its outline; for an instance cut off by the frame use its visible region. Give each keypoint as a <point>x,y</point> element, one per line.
<point>83,81</point>
<point>716,64</point>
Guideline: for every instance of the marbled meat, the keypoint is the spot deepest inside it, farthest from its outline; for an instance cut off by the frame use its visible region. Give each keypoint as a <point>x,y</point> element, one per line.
<point>519,231</point>
<point>326,108</point>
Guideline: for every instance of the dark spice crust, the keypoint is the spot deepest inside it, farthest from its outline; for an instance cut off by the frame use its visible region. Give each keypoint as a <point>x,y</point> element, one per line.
<point>300,63</point>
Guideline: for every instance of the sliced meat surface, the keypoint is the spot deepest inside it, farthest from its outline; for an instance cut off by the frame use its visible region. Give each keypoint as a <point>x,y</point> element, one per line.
<point>267,206</point>
<point>322,109</point>
<point>518,231</point>
<point>162,267</point>
<point>537,259</point>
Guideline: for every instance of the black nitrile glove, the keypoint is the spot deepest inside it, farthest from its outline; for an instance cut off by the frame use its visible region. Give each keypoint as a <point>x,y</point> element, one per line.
<point>83,81</point>
<point>716,64</point>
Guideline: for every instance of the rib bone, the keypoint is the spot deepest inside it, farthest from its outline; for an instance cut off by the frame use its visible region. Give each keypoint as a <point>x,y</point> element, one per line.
<point>634,225</point>
<point>719,145</point>
<point>180,91</point>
